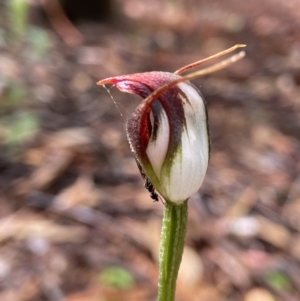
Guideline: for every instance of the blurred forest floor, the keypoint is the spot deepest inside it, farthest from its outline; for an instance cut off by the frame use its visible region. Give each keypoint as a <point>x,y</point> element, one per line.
<point>76,223</point>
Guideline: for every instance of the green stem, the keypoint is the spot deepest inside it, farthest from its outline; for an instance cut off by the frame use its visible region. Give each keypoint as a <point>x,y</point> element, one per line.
<point>171,248</point>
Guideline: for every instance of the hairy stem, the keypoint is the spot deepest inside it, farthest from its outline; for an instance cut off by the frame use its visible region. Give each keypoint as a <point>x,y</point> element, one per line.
<point>171,248</point>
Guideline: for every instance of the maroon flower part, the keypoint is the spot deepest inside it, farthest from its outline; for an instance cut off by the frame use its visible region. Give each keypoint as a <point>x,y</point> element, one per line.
<point>168,135</point>
<point>168,131</point>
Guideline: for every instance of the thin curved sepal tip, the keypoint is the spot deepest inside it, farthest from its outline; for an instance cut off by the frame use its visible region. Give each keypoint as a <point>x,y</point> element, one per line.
<point>109,80</point>
<point>212,57</point>
<point>216,67</point>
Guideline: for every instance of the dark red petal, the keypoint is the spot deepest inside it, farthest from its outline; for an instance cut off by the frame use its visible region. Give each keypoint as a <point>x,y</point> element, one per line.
<point>141,84</point>
<point>138,126</point>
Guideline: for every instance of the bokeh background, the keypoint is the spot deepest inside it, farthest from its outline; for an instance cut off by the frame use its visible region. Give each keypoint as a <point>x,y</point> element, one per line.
<point>76,223</point>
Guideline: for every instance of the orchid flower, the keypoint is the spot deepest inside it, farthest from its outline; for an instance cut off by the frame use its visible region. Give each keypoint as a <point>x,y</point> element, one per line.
<point>169,136</point>
<point>168,132</point>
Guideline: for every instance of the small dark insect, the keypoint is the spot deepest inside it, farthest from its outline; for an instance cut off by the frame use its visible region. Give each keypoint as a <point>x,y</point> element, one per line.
<point>148,185</point>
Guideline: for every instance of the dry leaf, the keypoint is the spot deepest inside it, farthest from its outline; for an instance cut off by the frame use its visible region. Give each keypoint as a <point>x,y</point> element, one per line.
<point>26,225</point>
<point>82,192</point>
<point>259,294</point>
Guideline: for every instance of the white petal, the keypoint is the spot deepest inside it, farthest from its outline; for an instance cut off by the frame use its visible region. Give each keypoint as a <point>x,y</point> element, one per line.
<point>157,149</point>
<point>189,168</point>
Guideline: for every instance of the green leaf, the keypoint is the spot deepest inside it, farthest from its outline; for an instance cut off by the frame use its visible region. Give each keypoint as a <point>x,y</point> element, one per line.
<point>116,277</point>
<point>39,41</point>
<point>18,14</point>
<point>20,127</point>
<point>279,281</point>
<point>16,93</point>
